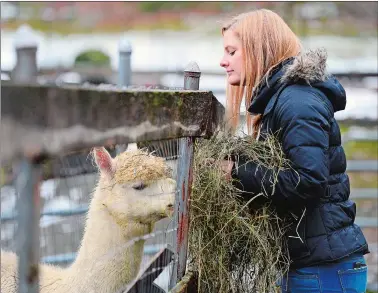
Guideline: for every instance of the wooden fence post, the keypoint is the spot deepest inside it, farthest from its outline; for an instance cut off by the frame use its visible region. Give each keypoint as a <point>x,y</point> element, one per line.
<point>28,179</point>
<point>192,76</point>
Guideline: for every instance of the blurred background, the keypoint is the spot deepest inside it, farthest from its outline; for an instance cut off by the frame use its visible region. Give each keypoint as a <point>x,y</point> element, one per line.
<point>80,42</point>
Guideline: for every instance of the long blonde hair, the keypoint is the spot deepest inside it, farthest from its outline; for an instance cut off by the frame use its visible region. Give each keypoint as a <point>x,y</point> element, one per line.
<point>266,41</point>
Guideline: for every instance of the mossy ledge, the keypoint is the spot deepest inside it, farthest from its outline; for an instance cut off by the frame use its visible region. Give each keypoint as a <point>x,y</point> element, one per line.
<point>52,120</point>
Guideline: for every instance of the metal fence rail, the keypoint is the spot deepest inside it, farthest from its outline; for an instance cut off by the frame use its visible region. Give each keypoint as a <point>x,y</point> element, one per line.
<point>366,222</point>
<point>364,193</point>
<point>362,166</point>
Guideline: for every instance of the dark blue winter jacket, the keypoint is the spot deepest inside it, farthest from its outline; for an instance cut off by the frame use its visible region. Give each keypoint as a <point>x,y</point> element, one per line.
<point>299,101</point>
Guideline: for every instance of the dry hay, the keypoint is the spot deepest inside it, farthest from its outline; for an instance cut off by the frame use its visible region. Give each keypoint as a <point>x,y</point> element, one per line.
<point>235,245</point>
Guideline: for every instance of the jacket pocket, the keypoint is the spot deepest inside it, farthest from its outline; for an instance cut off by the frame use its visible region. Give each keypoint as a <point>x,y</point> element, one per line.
<point>353,280</point>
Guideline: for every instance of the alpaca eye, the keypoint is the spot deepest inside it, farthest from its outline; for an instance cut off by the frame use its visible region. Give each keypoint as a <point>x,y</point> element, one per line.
<point>138,185</point>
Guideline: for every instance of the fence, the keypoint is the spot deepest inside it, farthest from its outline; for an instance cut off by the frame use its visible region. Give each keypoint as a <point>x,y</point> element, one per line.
<point>69,119</point>
<point>45,129</point>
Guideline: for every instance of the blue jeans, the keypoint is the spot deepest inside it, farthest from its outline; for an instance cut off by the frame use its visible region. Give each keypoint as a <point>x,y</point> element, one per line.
<point>346,276</point>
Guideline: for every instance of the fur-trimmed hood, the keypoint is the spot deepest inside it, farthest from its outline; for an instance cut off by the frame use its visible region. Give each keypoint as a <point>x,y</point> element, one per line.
<point>308,68</point>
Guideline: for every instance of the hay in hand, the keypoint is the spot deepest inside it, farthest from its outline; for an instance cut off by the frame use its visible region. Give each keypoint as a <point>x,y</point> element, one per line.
<point>235,245</point>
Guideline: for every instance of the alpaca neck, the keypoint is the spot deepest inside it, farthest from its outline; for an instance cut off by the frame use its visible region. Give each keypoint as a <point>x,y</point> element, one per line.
<point>108,253</point>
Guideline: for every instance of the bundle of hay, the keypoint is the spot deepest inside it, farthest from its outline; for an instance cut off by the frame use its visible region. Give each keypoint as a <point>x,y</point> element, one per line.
<point>235,244</point>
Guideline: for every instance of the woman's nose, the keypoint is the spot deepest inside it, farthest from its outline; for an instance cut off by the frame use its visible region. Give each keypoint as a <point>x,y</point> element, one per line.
<point>223,63</point>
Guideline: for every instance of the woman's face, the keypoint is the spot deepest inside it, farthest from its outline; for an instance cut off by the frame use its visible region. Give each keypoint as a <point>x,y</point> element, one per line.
<point>232,59</point>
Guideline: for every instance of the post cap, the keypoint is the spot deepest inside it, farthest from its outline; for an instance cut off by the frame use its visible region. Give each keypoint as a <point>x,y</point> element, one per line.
<point>124,45</point>
<point>192,67</point>
<point>25,37</point>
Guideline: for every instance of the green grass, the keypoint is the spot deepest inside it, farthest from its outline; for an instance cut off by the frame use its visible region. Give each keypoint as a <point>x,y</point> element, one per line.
<point>361,150</point>
<point>363,179</point>
<point>93,57</point>
<point>73,27</point>
<point>63,28</point>
<point>163,5</point>
<point>343,128</point>
<point>348,30</point>
<point>166,25</point>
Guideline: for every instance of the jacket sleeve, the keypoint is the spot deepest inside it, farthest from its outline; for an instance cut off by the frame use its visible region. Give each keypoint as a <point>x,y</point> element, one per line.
<point>304,124</point>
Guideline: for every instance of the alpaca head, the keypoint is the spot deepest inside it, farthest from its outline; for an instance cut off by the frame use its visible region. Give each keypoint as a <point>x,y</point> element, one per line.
<point>135,186</point>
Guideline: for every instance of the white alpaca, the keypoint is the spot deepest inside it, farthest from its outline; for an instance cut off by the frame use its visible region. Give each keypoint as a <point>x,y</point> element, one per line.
<point>134,191</point>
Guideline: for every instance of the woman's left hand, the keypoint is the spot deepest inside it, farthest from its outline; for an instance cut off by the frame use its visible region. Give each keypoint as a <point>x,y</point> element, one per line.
<point>226,166</point>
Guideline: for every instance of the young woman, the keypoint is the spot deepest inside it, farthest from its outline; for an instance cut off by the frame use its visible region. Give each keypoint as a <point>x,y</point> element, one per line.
<point>289,92</point>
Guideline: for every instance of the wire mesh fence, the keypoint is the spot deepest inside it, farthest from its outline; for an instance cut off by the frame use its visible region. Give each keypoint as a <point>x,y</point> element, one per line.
<point>98,219</point>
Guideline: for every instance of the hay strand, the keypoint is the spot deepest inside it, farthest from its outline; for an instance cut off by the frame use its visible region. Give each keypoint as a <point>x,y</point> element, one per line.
<point>235,244</point>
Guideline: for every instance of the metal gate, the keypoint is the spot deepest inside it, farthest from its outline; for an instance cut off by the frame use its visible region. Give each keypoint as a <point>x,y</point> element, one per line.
<point>47,133</point>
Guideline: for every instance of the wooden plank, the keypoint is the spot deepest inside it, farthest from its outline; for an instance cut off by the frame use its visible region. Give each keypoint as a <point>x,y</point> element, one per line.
<point>52,120</point>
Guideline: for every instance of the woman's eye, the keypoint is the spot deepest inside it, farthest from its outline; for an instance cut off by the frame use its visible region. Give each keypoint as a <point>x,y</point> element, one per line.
<point>139,185</point>
<point>232,53</point>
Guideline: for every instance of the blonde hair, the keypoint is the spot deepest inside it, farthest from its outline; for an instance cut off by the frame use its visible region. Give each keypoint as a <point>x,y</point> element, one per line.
<point>266,41</point>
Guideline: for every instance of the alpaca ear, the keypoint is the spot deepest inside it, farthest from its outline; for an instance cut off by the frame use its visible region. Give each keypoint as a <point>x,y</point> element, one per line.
<point>104,161</point>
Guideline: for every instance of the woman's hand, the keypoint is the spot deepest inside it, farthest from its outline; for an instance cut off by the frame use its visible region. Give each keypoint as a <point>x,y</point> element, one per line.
<point>226,166</point>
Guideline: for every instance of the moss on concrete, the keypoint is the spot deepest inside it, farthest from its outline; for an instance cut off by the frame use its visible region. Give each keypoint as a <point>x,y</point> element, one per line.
<point>125,115</point>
